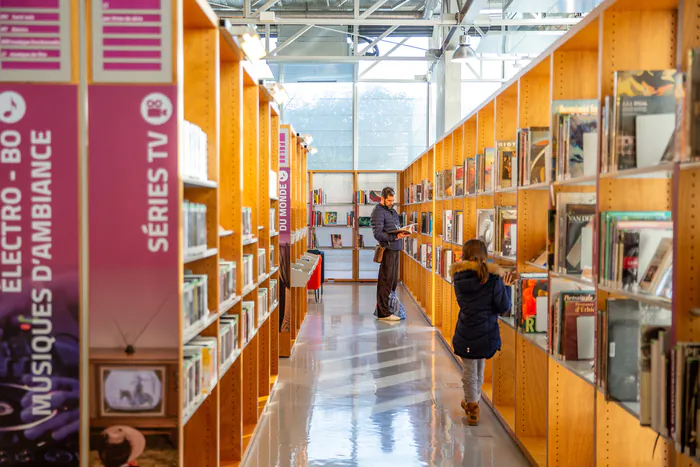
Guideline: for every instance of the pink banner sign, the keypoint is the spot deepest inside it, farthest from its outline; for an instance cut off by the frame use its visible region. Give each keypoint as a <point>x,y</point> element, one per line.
<point>39,274</point>
<point>285,205</point>
<point>134,212</point>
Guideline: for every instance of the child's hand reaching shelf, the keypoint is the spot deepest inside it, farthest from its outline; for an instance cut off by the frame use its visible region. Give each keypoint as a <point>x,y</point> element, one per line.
<point>509,278</point>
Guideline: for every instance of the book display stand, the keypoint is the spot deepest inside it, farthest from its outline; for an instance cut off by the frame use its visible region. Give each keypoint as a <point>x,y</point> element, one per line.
<point>340,206</point>
<point>561,412</point>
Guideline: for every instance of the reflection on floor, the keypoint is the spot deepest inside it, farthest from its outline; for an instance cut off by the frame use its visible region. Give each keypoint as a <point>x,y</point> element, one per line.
<point>358,392</point>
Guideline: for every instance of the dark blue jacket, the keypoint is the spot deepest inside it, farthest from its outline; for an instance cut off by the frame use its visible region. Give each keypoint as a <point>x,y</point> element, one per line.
<point>477,334</point>
<point>384,219</point>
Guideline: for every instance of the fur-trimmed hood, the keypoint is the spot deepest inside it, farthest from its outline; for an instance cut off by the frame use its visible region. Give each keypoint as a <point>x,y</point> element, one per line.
<point>462,266</point>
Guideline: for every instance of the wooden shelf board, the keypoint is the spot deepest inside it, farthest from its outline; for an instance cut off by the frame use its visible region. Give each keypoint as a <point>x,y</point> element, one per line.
<point>571,278</point>
<point>658,171</point>
<point>507,414</point>
<point>644,298</point>
<point>537,448</point>
<point>588,180</point>
<point>225,233</point>
<point>196,183</point>
<point>250,241</point>
<point>191,258</point>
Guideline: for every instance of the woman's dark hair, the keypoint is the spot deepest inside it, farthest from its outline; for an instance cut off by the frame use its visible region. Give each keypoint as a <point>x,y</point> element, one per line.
<point>114,455</point>
<point>387,191</point>
<point>475,250</point>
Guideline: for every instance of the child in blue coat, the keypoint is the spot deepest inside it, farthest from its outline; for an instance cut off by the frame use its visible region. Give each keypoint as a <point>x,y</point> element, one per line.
<point>482,294</point>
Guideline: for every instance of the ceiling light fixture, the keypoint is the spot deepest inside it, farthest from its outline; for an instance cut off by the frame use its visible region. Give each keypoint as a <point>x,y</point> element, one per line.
<point>279,94</point>
<point>248,40</point>
<point>464,52</point>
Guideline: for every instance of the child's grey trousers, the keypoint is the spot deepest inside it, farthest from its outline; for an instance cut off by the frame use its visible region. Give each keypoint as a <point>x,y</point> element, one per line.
<point>472,378</point>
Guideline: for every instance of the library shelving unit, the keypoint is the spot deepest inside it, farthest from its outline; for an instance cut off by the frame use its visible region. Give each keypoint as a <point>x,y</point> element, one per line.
<point>293,229</point>
<point>347,193</point>
<point>555,409</point>
<point>191,70</point>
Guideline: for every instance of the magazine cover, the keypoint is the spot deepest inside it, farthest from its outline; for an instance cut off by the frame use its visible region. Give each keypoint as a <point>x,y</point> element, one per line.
<point>485,227</point>
<point>506,161</point>
<point>470,176</point>
<point>538,143</point>
<point>579,160</point>
<point>489,158</point>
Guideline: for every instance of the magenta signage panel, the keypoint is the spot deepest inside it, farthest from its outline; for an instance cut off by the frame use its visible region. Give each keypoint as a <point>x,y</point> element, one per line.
<point>134,212</point>
<point>39,274</point>
<point>35,40</point>
<point>285,205</point>
<point>285,184</point>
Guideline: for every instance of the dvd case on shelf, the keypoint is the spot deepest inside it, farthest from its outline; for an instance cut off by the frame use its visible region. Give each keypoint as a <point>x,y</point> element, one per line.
<point>192,379</point>
<point>274,293</point>
<point>210,362</point>
<point>248,320</point>
<point>227,280</point>
<point>263,304</point>
<point>194,299</point>
<point>194,227</point>
<point>247,220</point>
<point>248,271</point>
<point>228,332</point>
<point>272,256</point>
<point>195,162</point>
<point>262,261</point>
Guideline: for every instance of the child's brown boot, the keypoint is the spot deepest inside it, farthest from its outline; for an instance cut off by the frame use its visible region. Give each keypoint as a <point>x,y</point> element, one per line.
<point>472,411</point>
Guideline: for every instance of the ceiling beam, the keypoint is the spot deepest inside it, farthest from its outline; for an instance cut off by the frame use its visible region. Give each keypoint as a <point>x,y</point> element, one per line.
<point>372,9</point>
<point>294,37</point>
<point>382,20</point>
<point>342,58</point>
<point>378,39</point>
<point>385,56</point>
<point>340,21</point>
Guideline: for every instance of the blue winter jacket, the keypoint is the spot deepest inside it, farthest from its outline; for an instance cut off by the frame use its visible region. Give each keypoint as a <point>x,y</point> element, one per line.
<point>384,219</point>
<point>477,334</point>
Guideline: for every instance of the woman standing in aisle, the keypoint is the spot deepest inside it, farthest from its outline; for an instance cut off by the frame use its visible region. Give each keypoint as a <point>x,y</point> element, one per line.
<point>482,294</point>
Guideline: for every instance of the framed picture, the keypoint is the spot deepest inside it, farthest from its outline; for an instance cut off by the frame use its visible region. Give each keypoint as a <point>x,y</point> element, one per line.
<point>132,391</point>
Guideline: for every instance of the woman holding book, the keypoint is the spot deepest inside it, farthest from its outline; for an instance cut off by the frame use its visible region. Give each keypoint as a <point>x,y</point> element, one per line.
<point>482,294</point>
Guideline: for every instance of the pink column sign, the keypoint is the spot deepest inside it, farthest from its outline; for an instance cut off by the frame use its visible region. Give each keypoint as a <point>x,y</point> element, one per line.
<point>39,275</point>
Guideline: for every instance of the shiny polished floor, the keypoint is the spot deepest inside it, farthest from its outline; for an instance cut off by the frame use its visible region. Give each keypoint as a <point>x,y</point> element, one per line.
<point>358,392</point>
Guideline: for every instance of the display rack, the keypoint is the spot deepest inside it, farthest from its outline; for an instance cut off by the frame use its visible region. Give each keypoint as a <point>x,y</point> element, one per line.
<point>554,409</point>
<point>343,190</point>
<point>205,79</point>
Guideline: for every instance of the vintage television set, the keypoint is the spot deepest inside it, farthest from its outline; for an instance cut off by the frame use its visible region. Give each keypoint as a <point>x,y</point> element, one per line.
<point>137,390</point>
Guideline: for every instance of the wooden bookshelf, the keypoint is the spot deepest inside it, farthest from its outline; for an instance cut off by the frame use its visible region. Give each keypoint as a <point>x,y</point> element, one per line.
<point>553,409</point>
<point>354,206</point>
<point>294,231</point>
<point>214,86</point>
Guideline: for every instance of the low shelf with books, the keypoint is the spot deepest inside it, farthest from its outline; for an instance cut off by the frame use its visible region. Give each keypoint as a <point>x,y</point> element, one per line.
<point>604,211</point>
<point>339,210</point>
